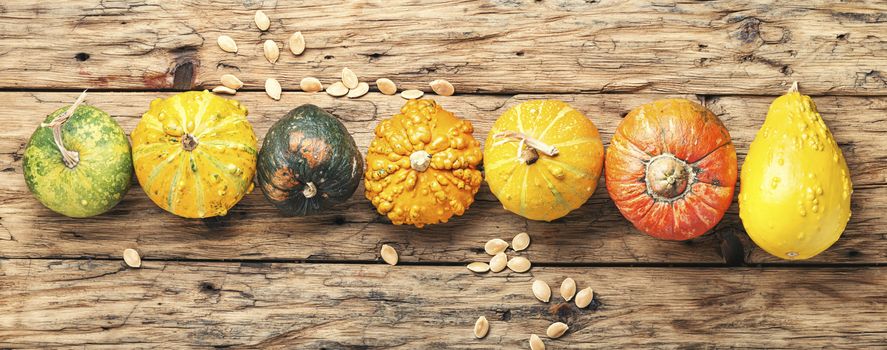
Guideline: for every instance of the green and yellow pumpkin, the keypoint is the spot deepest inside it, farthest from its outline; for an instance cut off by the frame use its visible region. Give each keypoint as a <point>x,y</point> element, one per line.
<point>85,169</point>
<point>195,154</point>
<point>308,162</point>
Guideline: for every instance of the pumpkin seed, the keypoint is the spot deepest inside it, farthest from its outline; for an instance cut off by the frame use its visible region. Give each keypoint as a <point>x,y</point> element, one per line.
<point>310,84</point>
<point>272,52</point>
<point>411,94</point>
<point>272,88</point>
<point>536,343</point>
<point>495,246</point>
<point>349,78</point>
<point>568,289</point>
<point>337,89</point>
<point>231,81</point>
<point>131,258</point>
<point>297,43</point>
<point>583,298</point>
<point>541,291</point>
<point>520,242</point>
<point>479,267</point>
<point>481,327</point>
<point>359,91</point>
<point>224,90</point>
<point>227,44</point>
<point>262,21</point>
<point>556,330</point>
<point>442,87</point>
<point>519,264</point>
<point>386,86</point>
<point>498,262</point>
<point>389,255</point>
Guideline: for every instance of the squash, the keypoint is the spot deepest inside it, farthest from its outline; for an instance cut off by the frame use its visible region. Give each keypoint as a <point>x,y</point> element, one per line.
<point>78,162</point>
<point>671,169</point>
<point>308,162</point>
<point>543,159</point>
<point>422,165</point>
<point>195,154</point>
<point>794,197</point>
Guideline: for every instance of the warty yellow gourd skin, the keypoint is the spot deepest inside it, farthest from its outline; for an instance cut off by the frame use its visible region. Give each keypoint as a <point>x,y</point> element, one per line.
<point>794,198</point>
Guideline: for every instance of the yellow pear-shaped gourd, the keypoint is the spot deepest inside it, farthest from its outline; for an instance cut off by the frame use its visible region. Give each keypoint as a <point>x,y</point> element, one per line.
<point>543,159</point>
<point>794,197</point>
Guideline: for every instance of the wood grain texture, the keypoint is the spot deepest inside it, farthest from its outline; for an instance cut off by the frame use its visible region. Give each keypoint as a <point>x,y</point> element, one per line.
<point>501,46</point>
<point>596,233</point>
<point>75,303</point>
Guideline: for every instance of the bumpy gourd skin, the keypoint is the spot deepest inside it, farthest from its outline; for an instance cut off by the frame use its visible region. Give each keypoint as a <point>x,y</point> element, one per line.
<point>551,186</point>
<point>794,199</point>
<point>446,188</point>
<point>195,154</point>
<point>671,169</point>
<point>100,179</point>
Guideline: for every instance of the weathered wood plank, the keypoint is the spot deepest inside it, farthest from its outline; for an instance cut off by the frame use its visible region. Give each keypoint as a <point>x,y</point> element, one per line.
<point>254,230</point>
<point>72,303</point>
<point>723,47</point>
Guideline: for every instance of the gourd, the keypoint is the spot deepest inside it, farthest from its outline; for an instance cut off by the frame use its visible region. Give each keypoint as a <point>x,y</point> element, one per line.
<point>78,162</point>
<point>543,159</point>
<point>195,154</point>
<point>671,169</point>
<point>422,165</point>
<point>308,162</point>
<point>794,198</point>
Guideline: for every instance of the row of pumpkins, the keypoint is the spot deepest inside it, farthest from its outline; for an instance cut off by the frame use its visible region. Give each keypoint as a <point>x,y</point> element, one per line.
<point>671,167</point>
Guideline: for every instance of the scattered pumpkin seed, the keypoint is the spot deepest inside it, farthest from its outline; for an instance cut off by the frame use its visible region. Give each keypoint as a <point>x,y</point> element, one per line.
<point>481,327</point>
<point>520,242</point>
<point>131,258</point>
<point>297,43</point>
<point>272,51</point>
<point>262,21</point>
<point>337,89</point>
<point>231,81</point>
<point>583,298</point>
<point>359,91</point>
<point>386,86</point>
<point>310,84</point>
<point>227,44</point>
<point>542,291</point>
<point>568,288</point>
<point>349,78</point>
<point>442,87</point>
<point>411,94</point>
<point>224,90</point>
<point>536,343</point>
<point>495,246</point>
<point>479,267</point>
<point>519,264</point>
<point>272,88</point>
<point>498,262</point>
<point>556,330</point>
<point>389,255</point>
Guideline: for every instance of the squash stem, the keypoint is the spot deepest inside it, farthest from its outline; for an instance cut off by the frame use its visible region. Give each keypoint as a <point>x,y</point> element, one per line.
<point>70,158</point>
<point>793,88</point>
<point>531,142</point>
<point>310,190</point>
<point>420,160</point>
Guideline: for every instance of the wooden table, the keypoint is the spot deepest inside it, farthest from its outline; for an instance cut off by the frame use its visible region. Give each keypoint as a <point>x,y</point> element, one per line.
<point>257,279</point>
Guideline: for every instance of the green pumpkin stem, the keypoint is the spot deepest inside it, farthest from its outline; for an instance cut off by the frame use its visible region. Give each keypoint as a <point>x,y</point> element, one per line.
<point>70,158</point>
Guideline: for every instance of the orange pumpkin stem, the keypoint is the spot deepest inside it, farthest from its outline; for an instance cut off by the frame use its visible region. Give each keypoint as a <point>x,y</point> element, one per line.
<point>420,160</point>
<point>668,177</point>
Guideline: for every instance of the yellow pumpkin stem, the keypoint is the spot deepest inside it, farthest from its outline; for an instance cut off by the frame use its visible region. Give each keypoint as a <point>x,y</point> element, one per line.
<point>528,147</point>
<point>793,88</point>
<point>71,158</point>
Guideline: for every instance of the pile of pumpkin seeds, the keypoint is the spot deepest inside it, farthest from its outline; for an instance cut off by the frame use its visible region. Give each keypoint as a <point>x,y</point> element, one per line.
<point>496,247</point>
<point>349,85</point>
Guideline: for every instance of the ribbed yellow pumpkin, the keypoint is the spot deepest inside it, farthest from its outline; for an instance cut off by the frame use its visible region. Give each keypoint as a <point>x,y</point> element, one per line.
<point>195,154</point>
<point>543,159</point>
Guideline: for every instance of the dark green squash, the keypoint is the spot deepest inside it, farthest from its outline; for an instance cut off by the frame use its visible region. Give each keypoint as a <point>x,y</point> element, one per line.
<point>308,162</point>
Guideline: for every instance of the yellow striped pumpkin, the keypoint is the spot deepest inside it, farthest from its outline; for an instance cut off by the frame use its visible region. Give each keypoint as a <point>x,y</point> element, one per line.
<point>195,154</point>
<point>543,159</point>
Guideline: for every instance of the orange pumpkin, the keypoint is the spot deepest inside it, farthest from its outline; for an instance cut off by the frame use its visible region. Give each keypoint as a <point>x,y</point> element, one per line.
<point>671,169</point>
